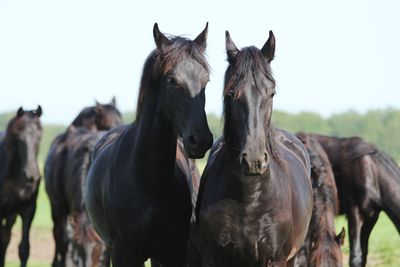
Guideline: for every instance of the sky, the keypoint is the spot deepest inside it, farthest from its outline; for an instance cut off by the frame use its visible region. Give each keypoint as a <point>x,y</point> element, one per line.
<point>331,56</point>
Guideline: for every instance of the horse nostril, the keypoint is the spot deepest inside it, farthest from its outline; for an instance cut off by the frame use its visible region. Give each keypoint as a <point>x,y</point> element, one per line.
<point>193,140</point>
<point>243,160</point>
<point>258,164</point>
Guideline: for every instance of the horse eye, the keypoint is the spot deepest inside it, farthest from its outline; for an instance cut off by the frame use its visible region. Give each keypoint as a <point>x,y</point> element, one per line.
<point>171,80</point>
<point>273,94</point>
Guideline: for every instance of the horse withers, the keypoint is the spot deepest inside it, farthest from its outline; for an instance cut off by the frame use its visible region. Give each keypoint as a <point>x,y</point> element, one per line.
<point>255,197</point>
<point>137,194</point>
<point>19,177</point>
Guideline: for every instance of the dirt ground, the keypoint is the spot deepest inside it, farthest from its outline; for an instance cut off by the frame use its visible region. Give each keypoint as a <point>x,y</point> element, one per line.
<point>41,245</point>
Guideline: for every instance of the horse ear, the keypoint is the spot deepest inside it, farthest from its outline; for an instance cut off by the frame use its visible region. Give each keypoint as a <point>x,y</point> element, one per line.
<point>39,111</point>
<point>161,40</point>
<point>268,49</point>
<point>20,112</point>
<point>99,109</point>
<point>201,39</point>
<point>113,102</point>
<point>340,237</point>
<point>231,49</point>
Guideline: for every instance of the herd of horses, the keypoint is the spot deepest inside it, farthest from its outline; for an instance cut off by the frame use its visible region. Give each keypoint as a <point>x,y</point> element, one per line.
<point>128,193</point>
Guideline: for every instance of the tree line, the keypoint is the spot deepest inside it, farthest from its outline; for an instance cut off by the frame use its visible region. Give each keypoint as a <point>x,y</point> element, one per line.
<point>381,127</point>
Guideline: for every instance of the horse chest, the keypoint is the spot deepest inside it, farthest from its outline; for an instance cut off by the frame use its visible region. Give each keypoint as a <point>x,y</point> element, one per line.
<point>237,234</point>
<point>14,195</point>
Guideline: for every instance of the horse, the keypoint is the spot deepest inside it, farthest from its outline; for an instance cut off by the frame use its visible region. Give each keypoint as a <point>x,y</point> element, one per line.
<point>19,178</point>
<point>137,192</point>
<point>255,197</point>
<point>85,248</point>
<point>368,182</point>
<point>322,247</point>
<point>65,169</point>
<point>99,117</point>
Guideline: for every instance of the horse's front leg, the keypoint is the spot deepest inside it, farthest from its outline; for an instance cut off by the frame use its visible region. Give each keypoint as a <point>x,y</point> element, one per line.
<point>5,235</point>
<point>27,216</point>
<point>360,228</point>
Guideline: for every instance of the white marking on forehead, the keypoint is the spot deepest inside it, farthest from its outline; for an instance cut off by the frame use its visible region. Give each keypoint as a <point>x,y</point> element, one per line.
<point>191,75</point>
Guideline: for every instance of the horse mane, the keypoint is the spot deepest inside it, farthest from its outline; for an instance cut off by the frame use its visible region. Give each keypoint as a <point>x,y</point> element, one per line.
<point>88,112</point>
<point>249,59</point>
<point>159,63</point>
<point>321,229</point>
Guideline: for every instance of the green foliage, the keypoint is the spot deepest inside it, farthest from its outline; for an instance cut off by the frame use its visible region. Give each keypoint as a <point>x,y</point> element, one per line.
<point>381,127</point>
<point>4,119</point>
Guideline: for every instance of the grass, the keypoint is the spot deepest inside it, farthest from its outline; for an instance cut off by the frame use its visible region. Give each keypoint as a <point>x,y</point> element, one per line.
<point>384,244</point>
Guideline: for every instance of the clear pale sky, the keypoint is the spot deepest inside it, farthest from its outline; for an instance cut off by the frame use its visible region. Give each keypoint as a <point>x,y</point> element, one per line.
<point>331,56</point>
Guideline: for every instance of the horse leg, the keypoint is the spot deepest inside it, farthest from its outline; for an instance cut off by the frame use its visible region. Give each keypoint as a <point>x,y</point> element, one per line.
<point>359,230</point>
<point>5,233</point>
<point>60,236</point>
<point>366,230</point>
<point>124,256</point>
<point>27,217</point>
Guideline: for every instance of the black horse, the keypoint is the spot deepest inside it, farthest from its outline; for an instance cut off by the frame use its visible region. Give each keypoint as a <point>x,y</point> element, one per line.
<point>137,194</point>
<point>368,182</point>
<point>65,169</point>
<point>322,247</point>
<point>255,198</point>
<point>19,178</point>
<point>85,248</point>
<point>99,117</point>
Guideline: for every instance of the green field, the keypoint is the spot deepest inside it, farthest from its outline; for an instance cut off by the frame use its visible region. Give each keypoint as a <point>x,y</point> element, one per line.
<point>384,241</point>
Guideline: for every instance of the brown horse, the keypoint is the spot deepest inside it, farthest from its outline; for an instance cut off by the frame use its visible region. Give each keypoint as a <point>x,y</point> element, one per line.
<point>321,247</point>
<point>255,198</point>
<point>65,171</point>
<point>368,182</point>
<point>19,177</point>
<point>137,192</point>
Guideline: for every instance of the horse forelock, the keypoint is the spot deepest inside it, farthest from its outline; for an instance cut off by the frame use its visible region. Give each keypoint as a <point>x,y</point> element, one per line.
<point>160,63</point>
<point>249,61</point>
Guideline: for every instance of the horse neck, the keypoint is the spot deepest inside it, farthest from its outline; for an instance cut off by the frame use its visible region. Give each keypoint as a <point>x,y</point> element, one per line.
<point>321,232</point>
<point>155,141</point>
<point>323,218</point>
<point>4,162</point>
<point>10,158</point>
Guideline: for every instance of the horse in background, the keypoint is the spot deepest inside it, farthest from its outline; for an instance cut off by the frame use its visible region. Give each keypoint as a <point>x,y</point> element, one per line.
<point>368,182</point>
<point>19,177</point>
<point>84,246</point>
<point>137,192</point>
<point>322,247</point>
<point>65,170</point>
<point>255,198</point>
<point>100,117</point>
